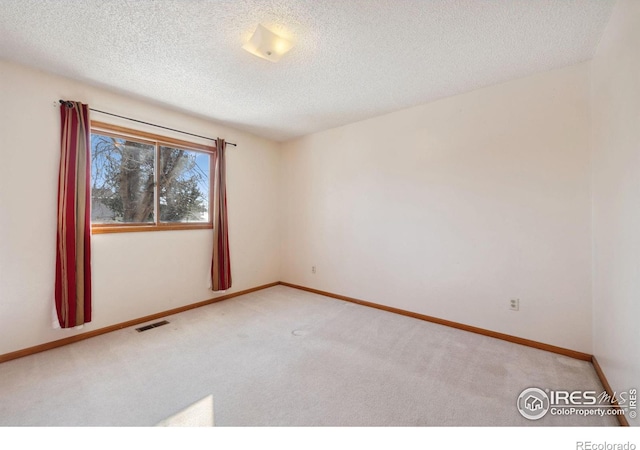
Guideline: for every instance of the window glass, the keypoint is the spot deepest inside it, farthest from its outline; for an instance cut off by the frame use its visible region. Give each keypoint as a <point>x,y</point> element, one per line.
<point>122,180</point>
<point>183,185</point>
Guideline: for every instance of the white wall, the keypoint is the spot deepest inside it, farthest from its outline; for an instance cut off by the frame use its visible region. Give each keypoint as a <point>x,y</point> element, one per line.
<point>452,208</point>
<point>616,198</point>
<point>134,274</point>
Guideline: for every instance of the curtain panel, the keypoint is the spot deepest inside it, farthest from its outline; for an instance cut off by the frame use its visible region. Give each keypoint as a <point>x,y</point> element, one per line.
<point>220,263</point>
<point>73,252</point>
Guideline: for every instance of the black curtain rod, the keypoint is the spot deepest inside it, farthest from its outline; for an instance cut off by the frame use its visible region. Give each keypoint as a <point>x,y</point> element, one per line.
<point>70,105</point>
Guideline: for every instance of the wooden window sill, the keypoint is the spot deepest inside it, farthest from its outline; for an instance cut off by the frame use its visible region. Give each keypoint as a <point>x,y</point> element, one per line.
<point>104,229</point>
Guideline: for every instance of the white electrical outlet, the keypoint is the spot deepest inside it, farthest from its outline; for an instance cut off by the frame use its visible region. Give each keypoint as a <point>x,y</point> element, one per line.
<point>313,269</point>
<point>514,304</point>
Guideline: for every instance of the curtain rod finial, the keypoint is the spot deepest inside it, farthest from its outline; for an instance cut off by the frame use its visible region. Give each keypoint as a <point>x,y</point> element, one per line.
<point>67,103</point>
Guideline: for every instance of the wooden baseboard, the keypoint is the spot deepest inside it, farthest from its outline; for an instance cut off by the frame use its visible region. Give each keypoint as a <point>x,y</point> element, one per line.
<point>607,387</point>
<point>119,326</point>
<point>494,334</point>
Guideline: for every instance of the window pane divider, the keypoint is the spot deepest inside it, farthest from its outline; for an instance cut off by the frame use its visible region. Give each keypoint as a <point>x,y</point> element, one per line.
<point>156,183</point>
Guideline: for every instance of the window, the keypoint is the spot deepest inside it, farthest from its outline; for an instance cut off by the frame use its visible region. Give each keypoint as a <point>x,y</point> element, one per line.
<point>145,182</point>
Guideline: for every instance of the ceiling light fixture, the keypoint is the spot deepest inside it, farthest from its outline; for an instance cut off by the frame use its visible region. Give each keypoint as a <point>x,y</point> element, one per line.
<point>268,45</point>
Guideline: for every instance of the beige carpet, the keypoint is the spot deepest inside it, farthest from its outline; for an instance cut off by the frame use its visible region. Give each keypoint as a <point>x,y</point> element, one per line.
<point>285,357</point>
<point>200,414</point>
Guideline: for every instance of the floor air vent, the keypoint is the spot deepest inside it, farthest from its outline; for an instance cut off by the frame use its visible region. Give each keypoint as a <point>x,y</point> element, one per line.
<point>153,325</point>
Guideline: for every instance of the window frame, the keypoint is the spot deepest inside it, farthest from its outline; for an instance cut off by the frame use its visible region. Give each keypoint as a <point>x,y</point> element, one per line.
<point>157,140</point>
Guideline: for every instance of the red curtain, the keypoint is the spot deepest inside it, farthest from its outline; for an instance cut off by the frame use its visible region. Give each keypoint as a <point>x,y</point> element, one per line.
<point>73,253</point>
<point>220,263</point>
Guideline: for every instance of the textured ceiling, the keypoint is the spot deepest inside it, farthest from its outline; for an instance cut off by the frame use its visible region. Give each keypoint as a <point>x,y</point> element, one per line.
<point>352,59</point>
